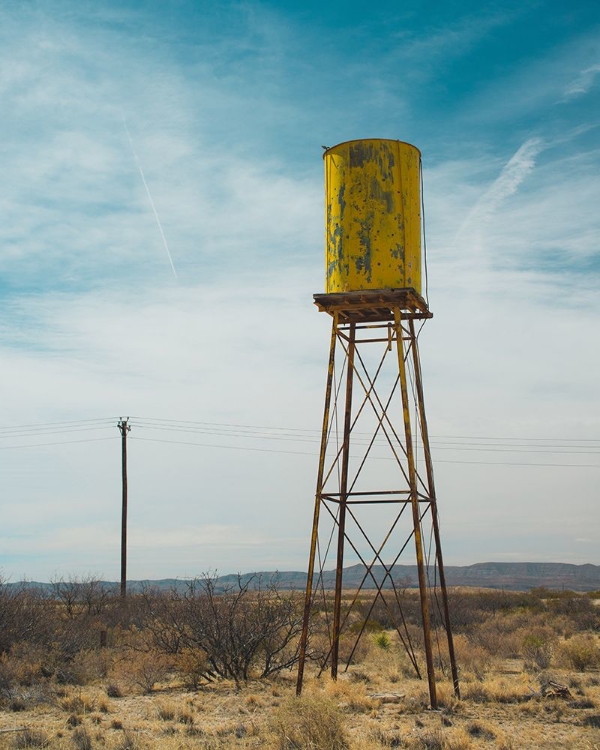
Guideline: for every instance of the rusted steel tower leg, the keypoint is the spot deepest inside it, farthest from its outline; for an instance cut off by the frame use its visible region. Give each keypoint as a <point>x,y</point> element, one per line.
<point>335,649</point>
<point>434,514</point>
<point>412,476</point>
<point>318,495</point>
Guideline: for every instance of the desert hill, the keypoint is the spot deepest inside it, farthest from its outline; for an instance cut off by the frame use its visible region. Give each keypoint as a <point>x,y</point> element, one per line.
<point>514,576</point>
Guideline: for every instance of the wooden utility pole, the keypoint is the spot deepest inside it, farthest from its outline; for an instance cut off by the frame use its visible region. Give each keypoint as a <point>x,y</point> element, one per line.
<point>124,428</point>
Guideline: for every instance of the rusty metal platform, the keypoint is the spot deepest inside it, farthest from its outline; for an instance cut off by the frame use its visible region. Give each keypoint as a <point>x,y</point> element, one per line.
<point>373,305</point>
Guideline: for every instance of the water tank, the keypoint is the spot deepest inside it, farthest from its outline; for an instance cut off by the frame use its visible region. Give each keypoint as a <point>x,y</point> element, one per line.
<point>373,215</point>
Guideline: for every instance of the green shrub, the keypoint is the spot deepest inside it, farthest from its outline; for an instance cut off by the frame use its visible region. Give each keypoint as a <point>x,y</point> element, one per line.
<point>382,640</point>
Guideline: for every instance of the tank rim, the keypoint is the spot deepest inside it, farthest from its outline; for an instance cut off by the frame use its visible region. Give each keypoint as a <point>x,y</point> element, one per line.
<point>358,140</point>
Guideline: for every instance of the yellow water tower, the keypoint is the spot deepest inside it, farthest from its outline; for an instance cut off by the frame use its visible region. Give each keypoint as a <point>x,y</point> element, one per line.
<point>375,497</point>
<point>373,216</point>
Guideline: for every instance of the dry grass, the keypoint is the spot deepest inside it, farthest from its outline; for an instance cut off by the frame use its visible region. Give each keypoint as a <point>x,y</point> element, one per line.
<point>501,710</point>
<point>134,698</point>
<point>312,721</point>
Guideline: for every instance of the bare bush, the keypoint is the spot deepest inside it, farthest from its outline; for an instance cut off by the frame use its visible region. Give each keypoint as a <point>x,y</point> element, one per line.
<point>146,669</point>
<point>25,616</point>
<point>242,629</point>
<point>85,596</point>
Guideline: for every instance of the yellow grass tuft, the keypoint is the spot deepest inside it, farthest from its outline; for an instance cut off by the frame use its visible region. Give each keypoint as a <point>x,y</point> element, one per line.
<point>310,722</point>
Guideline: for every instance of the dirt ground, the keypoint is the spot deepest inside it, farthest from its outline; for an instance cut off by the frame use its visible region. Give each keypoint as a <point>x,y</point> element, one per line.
<point>376,706</point>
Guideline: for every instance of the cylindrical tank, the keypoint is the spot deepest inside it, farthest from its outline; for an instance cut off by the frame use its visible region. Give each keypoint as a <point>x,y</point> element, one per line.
<point>373,215</point>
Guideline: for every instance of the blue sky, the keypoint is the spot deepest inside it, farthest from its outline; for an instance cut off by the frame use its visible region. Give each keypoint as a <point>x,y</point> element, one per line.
<point>227,106</point>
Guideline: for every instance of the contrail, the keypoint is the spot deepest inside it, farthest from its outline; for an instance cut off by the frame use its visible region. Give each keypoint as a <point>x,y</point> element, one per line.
<point>160,229</point>
<point>506,184</point>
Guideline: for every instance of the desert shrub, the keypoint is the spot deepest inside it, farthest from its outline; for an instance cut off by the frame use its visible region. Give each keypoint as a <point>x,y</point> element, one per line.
<point>80,597</point>
<point>7,675</point>
<point>84,667</point>
<point>387,737</point>
<point>577,608</point>
<point>429,740</point>
<point>350,651</point>
<point>481,731</point>
<point>381,664</point>
<point>147,668</point>
<point>113,690</point>
<point>130,742</point>
<point>28,663</point>
<point>166,711</point>
<point>243,629</point>
<point>31,738</point>
<point>580,652</point>
<point>73,636</point>
<point>185,717</point>
<point>350,694</point>
<point>386,614</point>
<point>78,703</point>
<point>538,648</point>
<point>475,691</point>
<point>192,666</point>
<point>24,698</point>
<point>500,636</point>
<point>26,616</point>
<point>471,657</point>
<point>467,609</point>
<point>502,690</point>
<point>23,680</point>
<point>81,739</point>
<point>459,740</point>
<point>311,722</point>
<point>382,640</point>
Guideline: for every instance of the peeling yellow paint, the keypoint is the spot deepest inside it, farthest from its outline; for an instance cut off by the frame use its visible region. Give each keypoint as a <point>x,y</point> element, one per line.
<point>373,216</point>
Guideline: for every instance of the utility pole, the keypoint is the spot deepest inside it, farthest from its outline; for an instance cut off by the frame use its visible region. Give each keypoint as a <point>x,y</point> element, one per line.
<point>124,428</point>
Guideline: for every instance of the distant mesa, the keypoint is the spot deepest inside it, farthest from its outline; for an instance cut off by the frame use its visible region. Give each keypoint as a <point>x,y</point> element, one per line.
<point>512,576</point>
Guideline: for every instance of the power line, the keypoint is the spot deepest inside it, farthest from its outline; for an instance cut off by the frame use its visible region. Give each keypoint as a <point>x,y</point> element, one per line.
<point>566,446</point>
<point>63,422</point>
<point>438,437</point>
<point>248,432</point>
<point>62,442</point>
<point>277,431</point>
<point>53,432</point>
<point>226,447</point>
<point>290,437</point>
<point>382,458</point>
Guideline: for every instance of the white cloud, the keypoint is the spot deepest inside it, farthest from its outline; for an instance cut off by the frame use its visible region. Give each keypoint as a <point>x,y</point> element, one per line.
<point>583,82</point>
